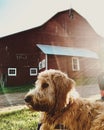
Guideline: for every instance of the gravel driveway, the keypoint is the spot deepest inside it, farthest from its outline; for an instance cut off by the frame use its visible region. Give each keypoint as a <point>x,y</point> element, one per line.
<point>17,99</point>
<point>12,99</point>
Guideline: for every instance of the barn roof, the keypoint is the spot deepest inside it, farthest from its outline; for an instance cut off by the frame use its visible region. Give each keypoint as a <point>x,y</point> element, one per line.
<point>67,51</point>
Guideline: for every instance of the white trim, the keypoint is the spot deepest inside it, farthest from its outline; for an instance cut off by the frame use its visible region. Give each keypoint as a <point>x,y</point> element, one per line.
<point>75,66</point>
<point>33,74</point>
<point>12,74</point>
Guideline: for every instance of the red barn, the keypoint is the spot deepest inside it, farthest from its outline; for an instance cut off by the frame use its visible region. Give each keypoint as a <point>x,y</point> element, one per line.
<point>66,42</point>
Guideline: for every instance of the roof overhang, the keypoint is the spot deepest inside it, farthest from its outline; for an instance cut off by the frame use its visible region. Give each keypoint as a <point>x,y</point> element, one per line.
<point>67,51</point>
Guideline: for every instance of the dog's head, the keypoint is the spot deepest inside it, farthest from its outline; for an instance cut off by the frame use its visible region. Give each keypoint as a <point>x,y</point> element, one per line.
<point>52,91</point>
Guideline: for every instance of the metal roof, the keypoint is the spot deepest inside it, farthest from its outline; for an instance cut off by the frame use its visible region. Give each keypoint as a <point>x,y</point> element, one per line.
<point>67,51</point>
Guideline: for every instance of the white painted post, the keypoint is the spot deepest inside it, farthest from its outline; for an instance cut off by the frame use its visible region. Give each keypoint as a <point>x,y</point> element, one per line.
<point>46,58</point>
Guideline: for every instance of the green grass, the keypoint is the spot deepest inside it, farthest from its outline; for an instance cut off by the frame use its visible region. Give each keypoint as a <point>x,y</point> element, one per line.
<point>15,89</point>
<point>26,88</point>
<point>19,120</point>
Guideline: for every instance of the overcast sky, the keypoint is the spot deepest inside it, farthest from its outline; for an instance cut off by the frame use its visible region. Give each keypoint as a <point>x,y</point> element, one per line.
<point>19,15</point>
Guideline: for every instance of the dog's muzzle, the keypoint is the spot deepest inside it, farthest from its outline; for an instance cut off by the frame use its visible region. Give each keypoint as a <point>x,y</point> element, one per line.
<point>29,101</point>
<point>35,105</point>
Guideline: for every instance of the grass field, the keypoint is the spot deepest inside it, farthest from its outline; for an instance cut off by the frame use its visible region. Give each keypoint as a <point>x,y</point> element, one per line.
<point>19,120</point>
<point>26,88</point>
<point>15,89</point>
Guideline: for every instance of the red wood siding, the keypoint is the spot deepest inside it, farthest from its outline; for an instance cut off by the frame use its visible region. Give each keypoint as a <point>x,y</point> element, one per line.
<point>88,67</point>
<point>20,50</point>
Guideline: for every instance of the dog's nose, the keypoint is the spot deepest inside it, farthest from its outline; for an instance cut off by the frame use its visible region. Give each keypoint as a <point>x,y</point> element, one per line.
<point>28,99</point>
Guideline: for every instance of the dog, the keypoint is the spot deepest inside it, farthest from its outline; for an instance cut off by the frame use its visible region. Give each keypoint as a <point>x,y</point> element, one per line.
<point>61,106</point>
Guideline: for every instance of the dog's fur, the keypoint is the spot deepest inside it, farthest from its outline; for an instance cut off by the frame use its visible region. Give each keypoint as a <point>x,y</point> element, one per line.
<point>57,99</point>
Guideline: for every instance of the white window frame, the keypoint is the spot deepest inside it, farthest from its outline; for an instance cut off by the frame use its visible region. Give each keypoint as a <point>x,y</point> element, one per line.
<point>40,65</point>
<point>43,63</point>
<point>33,74</point>
<point>75,62</point>
<point>12,74</point>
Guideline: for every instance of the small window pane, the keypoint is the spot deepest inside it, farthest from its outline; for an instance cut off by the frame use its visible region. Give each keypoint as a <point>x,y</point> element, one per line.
<point>33,71</point>
<point>75,64</point>
<point>11,71</point>
<point>43,63</point>
<point>40,65</point>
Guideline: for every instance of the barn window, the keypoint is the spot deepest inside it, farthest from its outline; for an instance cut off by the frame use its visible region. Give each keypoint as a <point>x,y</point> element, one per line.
<point>75,64</point>
<point>12,71</point>
<point>33,71</point>
<point>42,64</point>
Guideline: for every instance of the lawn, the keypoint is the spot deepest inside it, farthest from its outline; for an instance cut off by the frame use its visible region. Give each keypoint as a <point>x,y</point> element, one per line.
<point>26,88</point>
<point>13,89</point>
<point>19,120</point>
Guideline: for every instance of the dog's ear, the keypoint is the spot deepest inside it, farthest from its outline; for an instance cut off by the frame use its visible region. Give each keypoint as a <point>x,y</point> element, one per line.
<point>71,84</point>
<point>63,82</point>
<point>62,85</point>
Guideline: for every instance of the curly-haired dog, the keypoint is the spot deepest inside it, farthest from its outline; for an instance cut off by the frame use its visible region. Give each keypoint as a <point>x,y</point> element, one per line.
<point>61,107</point>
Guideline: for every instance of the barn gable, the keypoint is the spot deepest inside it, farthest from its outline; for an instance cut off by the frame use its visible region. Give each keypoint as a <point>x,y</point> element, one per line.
<point>22,53</point>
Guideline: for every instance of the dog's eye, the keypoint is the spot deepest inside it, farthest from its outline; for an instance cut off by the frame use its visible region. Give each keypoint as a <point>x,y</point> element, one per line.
<point>44,85</point>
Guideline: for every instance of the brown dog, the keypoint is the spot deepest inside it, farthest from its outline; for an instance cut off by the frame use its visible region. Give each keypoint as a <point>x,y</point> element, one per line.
<point>61,107</point>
